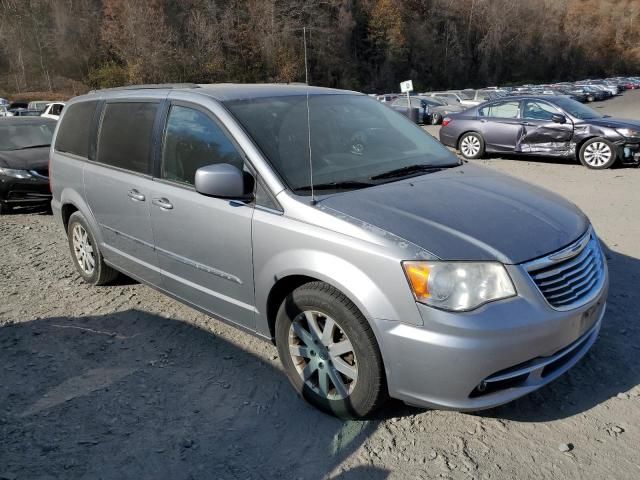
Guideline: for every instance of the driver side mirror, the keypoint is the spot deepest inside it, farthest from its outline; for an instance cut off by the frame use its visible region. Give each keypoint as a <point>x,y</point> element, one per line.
<point>557,118</point>
<point>223,180</point>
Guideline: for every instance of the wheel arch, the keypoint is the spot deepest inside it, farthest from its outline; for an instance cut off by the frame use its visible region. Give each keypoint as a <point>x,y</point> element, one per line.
<point>361,290</point>
<point>70,202</point>
<point>464,133</point>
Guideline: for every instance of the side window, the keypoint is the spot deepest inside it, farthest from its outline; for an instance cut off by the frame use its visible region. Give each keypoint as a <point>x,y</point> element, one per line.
<point>125,135</point>
<point>264,198</point>
<point>74,132</point>
<point>193,140</point>
<point>56,109</point>
<point>538,110</point>
<point>500,110</point>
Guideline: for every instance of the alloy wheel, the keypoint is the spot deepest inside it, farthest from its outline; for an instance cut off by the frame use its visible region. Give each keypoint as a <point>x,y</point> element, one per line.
<point>83,250</point>
<point>470,146</point>
<point>597,154</point>
<point>323,355</point>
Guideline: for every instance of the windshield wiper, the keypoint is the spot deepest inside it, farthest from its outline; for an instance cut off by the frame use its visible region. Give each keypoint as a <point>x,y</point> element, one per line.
<point>346,185</point>
<point>33,146</point>
<point>412,169</point>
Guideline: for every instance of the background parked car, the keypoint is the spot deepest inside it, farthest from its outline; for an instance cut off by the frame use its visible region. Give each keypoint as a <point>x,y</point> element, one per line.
<point>455,97</point>
<point>544,125</point>
<point>24,162</point>
<point>53,110</point>
<point>24,112</point>
<point>39,105</point>
<point>431,110</point>
<point>4,111</point>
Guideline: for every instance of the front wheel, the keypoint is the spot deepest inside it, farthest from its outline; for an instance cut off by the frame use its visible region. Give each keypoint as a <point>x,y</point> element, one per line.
<point>329,352</point>
<point>471,145</point>
<point>597,154</point>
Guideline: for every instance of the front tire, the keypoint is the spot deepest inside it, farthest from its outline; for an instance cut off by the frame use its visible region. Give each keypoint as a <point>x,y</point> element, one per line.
<point>86,254</point>
<point>329,352</point>
<point>598,154</point>
<point>471,145</point>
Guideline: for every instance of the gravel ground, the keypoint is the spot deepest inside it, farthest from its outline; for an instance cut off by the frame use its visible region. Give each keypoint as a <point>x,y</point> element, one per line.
<point>122,382</point>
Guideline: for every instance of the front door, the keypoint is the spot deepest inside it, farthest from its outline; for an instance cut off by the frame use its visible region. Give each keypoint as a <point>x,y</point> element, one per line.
<point>540,134</point>
<point>118,187</point>
<point>203,243</point>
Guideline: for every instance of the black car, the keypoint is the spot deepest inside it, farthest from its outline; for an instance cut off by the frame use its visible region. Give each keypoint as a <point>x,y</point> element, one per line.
<point>554,126</point>
<point>24,161</point>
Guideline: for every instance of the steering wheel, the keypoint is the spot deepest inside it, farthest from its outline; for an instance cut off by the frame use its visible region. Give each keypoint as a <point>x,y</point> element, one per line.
<point>360,139</point>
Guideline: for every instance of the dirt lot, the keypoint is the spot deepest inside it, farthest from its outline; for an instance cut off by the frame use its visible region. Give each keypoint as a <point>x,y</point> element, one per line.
<point>121,382</point>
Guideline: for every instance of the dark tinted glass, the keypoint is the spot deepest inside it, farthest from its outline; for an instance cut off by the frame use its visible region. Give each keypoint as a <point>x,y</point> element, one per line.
<point>194,140</point>
<point>73,134</point>
<point>125,135</point>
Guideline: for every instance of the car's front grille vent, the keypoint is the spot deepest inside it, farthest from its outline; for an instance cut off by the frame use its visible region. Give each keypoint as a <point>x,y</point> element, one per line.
<point>572,276</point>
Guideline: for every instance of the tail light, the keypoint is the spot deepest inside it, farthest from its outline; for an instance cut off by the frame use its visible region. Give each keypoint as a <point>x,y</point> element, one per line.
<point>446,121</point>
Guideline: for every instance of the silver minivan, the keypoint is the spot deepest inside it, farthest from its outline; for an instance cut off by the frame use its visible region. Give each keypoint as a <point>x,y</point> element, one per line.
<point>378,262</point>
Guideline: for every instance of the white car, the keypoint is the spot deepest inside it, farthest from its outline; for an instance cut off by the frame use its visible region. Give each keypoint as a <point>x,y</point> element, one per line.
<point>53,110</point>
<point>4,111</point>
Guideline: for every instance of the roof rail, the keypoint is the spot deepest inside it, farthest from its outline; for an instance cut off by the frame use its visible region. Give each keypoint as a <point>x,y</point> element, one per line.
<point>148,87</point>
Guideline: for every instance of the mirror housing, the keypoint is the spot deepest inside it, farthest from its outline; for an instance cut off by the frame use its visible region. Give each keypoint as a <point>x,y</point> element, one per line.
<point>224,180</point>
<point>557,118</point>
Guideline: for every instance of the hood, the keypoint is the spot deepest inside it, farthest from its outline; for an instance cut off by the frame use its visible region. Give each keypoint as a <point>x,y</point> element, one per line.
<point>468,213</point>
<point>614,122</point>
<point>29,159</point>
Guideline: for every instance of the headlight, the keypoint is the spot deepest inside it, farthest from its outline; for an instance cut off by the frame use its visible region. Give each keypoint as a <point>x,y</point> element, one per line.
<point>628,132</point>
<point>10,172</point>
<point>458,286</point>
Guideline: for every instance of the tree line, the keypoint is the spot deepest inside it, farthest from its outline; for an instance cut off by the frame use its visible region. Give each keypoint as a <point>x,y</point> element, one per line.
<point>367,45</point>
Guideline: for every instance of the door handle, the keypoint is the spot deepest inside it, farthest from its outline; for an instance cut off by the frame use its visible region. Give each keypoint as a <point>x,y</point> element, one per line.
<point>163,203</point>
<point>136,195</point>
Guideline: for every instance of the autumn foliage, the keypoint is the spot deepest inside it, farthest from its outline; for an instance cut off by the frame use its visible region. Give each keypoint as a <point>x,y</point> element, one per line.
<point>370,45</point>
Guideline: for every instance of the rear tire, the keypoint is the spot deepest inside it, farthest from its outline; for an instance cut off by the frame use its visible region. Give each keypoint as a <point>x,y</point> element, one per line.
<point>471,145</point>
<point>86,254</point>
<point>324,342</point>
<point>598,154</point>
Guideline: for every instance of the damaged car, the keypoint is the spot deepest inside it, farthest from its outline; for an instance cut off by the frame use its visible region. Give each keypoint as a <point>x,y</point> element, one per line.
<point>554,126</point>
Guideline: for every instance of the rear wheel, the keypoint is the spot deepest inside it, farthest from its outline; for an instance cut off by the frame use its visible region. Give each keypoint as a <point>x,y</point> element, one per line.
<point>597,154</point>
<point>86,254</point>
<point>329,352</point>
<point>471,145</point>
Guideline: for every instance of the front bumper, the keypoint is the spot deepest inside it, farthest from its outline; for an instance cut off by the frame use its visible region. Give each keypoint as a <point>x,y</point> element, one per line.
<point>490,356</point>
<point>629,153</point>
<point>17,192</point>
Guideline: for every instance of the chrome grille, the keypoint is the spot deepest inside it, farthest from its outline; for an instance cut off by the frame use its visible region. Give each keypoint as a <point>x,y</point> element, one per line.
<point>571,277</point>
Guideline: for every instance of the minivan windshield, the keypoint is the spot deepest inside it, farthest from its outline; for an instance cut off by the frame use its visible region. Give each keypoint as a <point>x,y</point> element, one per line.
<point>577,109</point>
<point>354,140</point>
<point>22,136</point>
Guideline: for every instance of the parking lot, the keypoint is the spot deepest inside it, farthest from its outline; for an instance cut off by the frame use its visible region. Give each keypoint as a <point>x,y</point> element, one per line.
<point>123,382</point>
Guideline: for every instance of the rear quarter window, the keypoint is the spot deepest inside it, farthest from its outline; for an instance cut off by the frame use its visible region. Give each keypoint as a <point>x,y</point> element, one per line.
<point>75,129</point>
<point>126,135</point>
